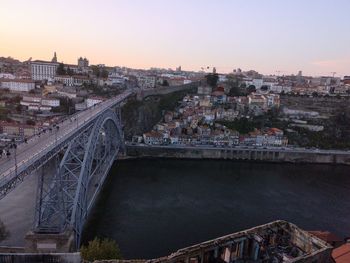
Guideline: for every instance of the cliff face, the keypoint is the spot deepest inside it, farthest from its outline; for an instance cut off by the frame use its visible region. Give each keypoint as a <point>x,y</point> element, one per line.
<point>140,116</point>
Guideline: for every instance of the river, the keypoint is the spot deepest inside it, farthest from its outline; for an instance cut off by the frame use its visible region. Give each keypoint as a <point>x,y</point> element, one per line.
<point>153,207</point>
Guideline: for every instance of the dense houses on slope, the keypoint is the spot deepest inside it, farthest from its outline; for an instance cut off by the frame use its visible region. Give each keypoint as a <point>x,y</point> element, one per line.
<point>197,121</point>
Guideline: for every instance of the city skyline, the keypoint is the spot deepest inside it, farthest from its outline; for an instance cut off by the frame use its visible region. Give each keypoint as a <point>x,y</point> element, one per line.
<point>272,38</point>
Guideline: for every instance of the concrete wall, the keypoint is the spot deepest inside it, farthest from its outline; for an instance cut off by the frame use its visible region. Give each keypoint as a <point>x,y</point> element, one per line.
<point>237,154</point>
<point>40,258</point>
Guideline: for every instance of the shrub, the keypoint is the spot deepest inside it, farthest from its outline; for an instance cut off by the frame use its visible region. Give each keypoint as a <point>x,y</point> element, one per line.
<point>98,249</point>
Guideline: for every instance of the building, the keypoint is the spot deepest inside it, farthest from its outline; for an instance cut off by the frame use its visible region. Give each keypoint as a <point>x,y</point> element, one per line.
<point>329,237</point>
<point>43,70</point>
<point>257,100</point>
<point>17,85</point>
<point>204,90</point>
<point>74,80</point>
<point>36,103</point>
<point>50,102</point>
<point>65,79</point>
<point>146,81</point>
<point>15,129</point>
<point>69,92</point>
<point>7,76</point>
<point>341,254</point>
<point>54,59</point>
<point>278,241</point>
<point>153,138</point>
<point>83,63</point>
<point>93,101</point>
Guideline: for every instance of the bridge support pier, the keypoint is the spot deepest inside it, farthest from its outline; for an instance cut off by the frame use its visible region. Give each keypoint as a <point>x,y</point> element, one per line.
<point>50,243</point>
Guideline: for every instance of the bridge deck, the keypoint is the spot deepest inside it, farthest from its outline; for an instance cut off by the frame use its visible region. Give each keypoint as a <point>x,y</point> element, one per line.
<point>36,147</point>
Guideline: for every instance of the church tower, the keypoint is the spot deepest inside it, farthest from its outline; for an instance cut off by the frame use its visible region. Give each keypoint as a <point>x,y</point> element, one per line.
<point>54,59</point>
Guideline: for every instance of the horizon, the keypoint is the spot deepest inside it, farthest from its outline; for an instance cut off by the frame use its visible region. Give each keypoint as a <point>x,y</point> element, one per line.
<point>268,37</point>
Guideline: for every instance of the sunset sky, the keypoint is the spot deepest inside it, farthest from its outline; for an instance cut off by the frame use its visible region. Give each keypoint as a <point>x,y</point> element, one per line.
<point>266,35</point>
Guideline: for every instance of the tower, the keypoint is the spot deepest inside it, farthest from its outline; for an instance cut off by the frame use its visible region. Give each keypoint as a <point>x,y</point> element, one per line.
<point>54,59</point>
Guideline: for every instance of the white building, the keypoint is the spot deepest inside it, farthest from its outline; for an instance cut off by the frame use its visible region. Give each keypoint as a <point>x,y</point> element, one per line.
<point>92,101</point>
<point>36,103</point>
<point>20,85</point>
<point>43,70</point>
<point>67,92</point>
<point>280,89</point>
<point>146,82</point>
<point>65,79</point>
<point>7,76</point>
<point>50,102</point>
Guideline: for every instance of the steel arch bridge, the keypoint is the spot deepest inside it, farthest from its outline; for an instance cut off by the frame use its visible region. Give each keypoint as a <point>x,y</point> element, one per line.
<point>64,201</point>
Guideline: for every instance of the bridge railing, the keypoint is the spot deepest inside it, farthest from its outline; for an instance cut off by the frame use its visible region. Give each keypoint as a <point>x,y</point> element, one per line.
<point>11,177</point>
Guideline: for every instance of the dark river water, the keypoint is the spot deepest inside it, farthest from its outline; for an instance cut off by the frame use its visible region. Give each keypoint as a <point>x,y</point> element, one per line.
<point>153,207</point>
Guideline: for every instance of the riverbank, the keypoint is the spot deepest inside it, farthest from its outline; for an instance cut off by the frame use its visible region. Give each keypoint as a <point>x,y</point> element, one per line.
<point>278,155</point>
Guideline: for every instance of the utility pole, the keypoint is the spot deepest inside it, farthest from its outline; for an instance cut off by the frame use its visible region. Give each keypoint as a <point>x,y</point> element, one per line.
<point>333,73</point>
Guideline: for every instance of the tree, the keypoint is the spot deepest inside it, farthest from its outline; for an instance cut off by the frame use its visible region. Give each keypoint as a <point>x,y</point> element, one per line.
<point>60,69</point>
<point>212,79</point>
<point>235,91</point>
<point>104,73</point>
<point>251,89</point>
<point>165,83</point>
<point>69,71</point>
<point>30,122</point>
<point>264,88</point>
<point>3,232</point>
<point>100,250</point>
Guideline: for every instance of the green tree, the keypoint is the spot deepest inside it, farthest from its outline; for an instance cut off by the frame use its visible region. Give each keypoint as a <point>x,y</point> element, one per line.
<point>30,122</point>
<point>69,71</point>
<point>264,88</point>
<point>165,83</point>
<point>104,73</point>
<point>212,79</point>
<point>95,70</point>
<point>235,91</point>
<point>4,233</point>
<point>60,69</point>
<point>251,89</point>
<point>100,249</point>
<point>19,108</point>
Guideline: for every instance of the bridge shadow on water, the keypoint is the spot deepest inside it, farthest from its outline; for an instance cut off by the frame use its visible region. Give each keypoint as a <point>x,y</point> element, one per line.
<point>153,207</point>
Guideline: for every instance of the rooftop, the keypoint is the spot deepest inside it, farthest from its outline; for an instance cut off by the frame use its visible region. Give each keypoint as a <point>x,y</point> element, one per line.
<point>342,254</point>
<point>278,241</point>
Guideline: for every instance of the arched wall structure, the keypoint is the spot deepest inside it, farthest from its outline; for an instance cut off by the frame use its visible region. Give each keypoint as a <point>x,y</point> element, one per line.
<point>64,201</point>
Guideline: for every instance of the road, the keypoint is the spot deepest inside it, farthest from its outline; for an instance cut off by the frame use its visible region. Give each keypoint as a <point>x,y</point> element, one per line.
<point>26,153</point>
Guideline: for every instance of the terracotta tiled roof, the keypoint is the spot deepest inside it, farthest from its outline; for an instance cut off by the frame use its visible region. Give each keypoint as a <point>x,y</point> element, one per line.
<point>326,236</point>
<point>342,254</point>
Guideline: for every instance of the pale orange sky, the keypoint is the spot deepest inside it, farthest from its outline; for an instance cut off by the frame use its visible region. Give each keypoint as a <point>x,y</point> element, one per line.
<point>266,35</point>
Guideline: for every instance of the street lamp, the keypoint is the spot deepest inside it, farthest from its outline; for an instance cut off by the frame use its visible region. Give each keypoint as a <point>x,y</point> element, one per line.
<point>14,145</point>
<point>56,131</point>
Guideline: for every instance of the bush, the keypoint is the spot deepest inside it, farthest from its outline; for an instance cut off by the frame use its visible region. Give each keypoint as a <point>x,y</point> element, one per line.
<point>100,250</point>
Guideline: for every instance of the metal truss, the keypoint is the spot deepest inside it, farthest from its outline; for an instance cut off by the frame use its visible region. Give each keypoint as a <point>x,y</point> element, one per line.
<point>63,203</point>
<point>8,183</point>
<point>15,179</point>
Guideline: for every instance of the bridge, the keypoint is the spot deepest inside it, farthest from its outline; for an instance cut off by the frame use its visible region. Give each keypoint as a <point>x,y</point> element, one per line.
<point>83,147</point>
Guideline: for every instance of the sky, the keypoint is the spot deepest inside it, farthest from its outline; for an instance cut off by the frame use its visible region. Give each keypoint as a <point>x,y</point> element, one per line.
<point>270,36</point>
